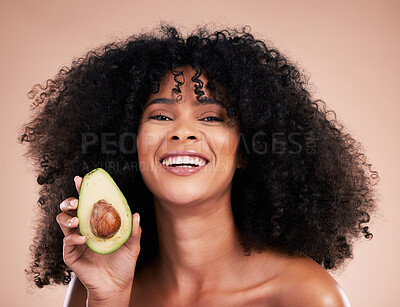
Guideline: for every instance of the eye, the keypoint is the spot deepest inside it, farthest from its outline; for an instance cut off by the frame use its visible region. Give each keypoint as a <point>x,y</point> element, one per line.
<point>159,117</point>
<point>212,119</point>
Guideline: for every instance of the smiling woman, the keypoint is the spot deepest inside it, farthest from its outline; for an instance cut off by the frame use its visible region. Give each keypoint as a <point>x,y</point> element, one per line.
<point>184,132</point>
<point>247,190</point>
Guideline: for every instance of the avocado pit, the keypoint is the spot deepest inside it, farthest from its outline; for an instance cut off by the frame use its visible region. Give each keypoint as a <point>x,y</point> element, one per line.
<point>105,220</point>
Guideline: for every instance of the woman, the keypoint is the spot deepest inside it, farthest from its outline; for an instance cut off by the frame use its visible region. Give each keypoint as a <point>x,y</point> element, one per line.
<point>274,194</point>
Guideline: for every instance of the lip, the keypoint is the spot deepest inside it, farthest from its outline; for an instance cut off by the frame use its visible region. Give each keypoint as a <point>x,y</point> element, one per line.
<point>184,153</point>
<point>183,171</point>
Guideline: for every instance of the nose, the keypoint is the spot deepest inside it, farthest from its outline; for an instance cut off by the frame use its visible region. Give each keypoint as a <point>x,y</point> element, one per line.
<point>184,132</point>
<point>190,137</point>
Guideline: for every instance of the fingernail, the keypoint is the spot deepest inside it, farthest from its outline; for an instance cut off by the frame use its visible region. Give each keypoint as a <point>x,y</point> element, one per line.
<point>72,203</point>
<point>82,238</point>
<point>69,223</point>
<point>138,219</point>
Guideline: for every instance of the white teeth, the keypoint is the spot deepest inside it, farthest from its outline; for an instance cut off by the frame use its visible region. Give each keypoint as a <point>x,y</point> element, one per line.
<point>184,160</point>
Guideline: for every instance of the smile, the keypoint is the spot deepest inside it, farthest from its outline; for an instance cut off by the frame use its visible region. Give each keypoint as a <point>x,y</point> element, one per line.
<point>183,165</point>
<point>184,161</point>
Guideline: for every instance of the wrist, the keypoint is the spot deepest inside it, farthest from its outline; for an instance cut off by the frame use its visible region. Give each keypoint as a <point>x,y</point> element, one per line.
<point>115,298</point>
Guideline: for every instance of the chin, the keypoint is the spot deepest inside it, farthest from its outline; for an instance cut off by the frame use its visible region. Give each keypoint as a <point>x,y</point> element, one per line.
<point>181,195</point>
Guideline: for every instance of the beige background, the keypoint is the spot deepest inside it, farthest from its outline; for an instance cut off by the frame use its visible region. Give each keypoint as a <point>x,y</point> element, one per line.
<point>351,50</point>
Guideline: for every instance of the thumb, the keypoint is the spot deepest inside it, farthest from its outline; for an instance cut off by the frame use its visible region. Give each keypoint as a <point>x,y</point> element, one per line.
<point>133,242</point>
<point>78,183</point>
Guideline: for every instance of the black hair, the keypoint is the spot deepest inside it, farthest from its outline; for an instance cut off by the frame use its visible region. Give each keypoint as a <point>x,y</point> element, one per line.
<point>306,189</point>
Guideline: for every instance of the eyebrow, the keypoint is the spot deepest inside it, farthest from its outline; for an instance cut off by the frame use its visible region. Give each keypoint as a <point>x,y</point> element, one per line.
<point>173,102</point>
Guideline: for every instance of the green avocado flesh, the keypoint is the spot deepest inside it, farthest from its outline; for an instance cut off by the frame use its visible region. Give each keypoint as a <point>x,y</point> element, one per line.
<point>104,214</point>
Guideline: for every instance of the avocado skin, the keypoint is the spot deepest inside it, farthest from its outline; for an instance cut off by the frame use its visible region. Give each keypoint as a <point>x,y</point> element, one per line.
<point>96,185</point>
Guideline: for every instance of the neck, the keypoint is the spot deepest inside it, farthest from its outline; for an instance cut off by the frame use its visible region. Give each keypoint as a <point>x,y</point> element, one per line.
<point>199,244</point>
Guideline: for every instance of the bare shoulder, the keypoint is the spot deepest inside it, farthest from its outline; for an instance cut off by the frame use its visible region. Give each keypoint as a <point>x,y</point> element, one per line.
<point>302,282</point>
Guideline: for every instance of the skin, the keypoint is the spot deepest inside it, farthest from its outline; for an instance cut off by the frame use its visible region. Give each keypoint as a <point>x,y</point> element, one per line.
<point>201,262</point>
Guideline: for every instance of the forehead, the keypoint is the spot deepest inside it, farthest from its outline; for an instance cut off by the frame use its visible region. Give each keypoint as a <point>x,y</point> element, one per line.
<point>187,83</point>
<point>184,75</point>
<point>171,101</point>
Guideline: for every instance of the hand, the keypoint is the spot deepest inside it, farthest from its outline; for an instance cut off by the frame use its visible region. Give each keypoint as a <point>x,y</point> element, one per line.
<point>104,276</point>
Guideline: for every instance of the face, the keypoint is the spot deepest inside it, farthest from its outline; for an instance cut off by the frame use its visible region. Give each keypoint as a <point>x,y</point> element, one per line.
<point>187,152</point>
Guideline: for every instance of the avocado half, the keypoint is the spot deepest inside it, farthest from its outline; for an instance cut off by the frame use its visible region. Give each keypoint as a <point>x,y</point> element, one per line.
<point>104,214</point>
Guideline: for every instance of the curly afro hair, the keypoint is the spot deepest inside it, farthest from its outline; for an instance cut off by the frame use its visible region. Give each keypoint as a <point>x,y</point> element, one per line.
<point>306,188</point>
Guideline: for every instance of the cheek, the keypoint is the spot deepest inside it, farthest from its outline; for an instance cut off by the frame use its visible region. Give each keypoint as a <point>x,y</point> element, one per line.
<point>226,144</point>
<point>147,143</point>
<point>233,143</point>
